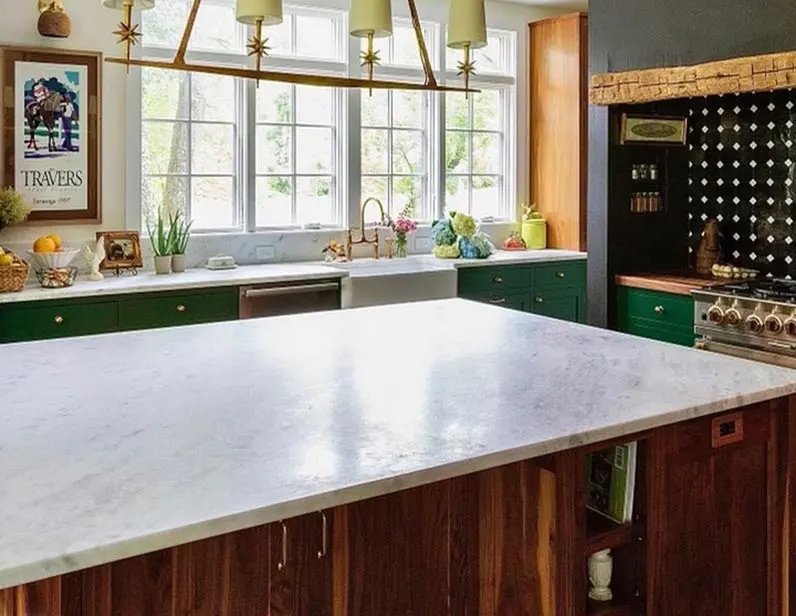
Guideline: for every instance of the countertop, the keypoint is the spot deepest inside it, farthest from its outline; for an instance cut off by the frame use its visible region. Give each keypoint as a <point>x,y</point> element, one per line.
<point>204,430</point>
<point>147,281</point>
<point>680,283</point>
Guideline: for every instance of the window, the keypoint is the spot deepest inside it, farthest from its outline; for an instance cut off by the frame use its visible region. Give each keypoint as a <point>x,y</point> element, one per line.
<point>479,135</point>
<point>396,135</point>
<point>227,153</point>
<point>237,156</point>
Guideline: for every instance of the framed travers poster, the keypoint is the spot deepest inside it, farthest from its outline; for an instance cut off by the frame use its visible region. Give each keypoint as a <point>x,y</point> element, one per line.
<point>52,131</point>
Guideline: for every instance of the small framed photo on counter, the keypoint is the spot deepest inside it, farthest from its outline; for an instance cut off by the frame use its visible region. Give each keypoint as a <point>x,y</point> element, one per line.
<point>653,130</point>
<point>122,250</point>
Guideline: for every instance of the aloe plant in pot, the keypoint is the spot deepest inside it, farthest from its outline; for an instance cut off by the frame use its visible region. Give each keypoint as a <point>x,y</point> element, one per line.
<point>162,241</point>
<point>182,234</point>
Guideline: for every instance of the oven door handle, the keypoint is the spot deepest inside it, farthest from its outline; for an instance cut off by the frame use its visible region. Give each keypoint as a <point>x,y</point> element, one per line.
<point>253,292</point>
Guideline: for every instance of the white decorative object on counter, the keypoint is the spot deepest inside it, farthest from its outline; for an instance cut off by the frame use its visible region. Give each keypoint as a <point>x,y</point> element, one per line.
<point>601,567</point>
<point>94,258</point>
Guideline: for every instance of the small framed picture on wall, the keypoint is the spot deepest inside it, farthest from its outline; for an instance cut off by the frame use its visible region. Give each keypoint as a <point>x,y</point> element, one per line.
<point>653,130</point>
<point>51,135</point>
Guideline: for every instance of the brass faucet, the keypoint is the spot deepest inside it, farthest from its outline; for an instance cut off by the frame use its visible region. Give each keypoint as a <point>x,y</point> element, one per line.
<point>362,239</point>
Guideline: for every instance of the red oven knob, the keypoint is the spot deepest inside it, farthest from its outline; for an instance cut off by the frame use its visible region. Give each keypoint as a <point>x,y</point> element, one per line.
<point>716,315</point>
<point>732,317</point>
<point>754,324</point>
<point>774,324</point>
<point>790,327</point>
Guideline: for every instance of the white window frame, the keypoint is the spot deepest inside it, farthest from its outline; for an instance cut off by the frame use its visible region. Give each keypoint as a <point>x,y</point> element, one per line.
<point>347,169</point>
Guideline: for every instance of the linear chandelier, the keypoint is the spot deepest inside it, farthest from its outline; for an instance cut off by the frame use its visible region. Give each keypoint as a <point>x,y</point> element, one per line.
<point>370,19</point>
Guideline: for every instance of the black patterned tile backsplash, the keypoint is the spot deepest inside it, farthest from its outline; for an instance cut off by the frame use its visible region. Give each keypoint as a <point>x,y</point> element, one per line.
<point>742,171</point>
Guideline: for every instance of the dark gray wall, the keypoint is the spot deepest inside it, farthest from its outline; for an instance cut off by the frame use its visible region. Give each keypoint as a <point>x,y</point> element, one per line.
<point>632,34</point>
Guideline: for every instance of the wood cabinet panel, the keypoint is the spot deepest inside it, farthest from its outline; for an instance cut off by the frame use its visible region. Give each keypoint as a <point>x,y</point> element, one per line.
<point>201,578</point>
<point>142,586</point>
<point>558,126</point>
<point>395,556</point>
<point>714,513</point>
<point>249,567</point>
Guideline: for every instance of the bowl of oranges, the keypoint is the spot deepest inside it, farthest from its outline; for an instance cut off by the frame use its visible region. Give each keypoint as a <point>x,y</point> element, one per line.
<point>49,253</point>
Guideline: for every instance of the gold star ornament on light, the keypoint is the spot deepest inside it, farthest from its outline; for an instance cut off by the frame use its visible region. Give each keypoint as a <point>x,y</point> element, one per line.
<point>466,67</point>
<point>258,47</point>
<point>128,33</point>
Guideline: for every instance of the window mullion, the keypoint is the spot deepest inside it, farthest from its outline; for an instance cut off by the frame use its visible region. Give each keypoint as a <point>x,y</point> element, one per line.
<point>249,158</point>
<point>189,148</point>
<point>293,149</point>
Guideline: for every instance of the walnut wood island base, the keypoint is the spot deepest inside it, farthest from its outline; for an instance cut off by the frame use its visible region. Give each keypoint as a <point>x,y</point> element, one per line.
<point>714,499</point>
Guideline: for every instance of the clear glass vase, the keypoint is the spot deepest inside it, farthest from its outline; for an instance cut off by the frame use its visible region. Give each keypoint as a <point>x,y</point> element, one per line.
<point>400,245</point>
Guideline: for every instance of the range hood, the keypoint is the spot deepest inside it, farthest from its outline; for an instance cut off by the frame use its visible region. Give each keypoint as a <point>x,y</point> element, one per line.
<point>738,75</point>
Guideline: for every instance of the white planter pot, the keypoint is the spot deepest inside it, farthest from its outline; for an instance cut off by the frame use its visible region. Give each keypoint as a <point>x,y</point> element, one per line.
<point>163,265</point>
<point>178,264</point>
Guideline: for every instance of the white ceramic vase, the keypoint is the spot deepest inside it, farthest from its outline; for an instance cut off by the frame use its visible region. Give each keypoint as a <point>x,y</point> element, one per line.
<point>163,265</point>
<point>601,568</point>
<point>178,264</point>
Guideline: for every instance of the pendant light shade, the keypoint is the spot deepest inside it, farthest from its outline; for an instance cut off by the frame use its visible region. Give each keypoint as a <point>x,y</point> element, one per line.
<point>269,12</point>
<point>467,24</point>
<point>141,5</point>
<point>371,17</point>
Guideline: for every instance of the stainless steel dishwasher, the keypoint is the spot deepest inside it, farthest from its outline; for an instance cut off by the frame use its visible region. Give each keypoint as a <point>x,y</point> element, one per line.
<point>268,300</point>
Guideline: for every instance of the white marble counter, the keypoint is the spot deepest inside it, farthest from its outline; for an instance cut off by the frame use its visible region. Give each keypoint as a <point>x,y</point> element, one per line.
<point>209,429</point>
<point>198,278</point>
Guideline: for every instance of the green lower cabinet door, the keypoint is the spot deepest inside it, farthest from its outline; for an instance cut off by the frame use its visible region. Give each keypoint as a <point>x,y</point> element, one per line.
<point>567,304</point>
<point>178,308</point>
<point>653,330</point>
<point>44,320</point>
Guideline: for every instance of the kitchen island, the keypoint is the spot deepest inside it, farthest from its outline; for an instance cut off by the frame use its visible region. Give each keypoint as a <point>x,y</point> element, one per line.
<point>313,465</point>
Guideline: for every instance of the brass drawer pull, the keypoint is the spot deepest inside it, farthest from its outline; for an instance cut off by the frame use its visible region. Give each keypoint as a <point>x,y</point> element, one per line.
<point>560,274</point>
<point>324,537</point>
<point>539,299</point>
<point>498,280</point>
<point>659,309</point>
<point>501,300</point>
<point>181,308</point>
<point>58,319</point>
<point>283,561</point>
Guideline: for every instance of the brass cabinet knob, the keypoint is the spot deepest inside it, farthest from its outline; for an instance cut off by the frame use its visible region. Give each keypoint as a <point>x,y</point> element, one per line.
<point>659,309</point>
<point>58,319</point>
<point>180,308</point>
<point>498,280</point>
<point>539,299</point>
<point>560,274</point>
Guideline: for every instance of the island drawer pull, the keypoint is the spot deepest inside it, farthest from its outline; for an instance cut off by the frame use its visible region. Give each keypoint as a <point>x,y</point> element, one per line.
<point>500,300</point>
<point>58,319</point>
<point>659,309</point>
<point>498,280</point>
<point>283,562</point>
<point>560,274</point>
<point>324,537</point>
<point>181,308</point>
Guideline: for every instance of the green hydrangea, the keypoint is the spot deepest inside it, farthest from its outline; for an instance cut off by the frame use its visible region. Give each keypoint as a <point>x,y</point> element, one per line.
<point>463,224</point>
<point>447,251</point>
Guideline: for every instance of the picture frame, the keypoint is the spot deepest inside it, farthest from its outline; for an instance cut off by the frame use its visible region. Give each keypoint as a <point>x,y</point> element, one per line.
<point>653,130</point>
<point>52,131</point>
<point>122,250</point>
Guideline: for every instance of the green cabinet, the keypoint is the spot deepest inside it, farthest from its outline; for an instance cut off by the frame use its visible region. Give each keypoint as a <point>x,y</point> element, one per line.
<point>555,290</point>
<point>57,319</point>
<point>567,304</point>
<point>171,309</point>
<point>43,320</point>
<point>654,314</point>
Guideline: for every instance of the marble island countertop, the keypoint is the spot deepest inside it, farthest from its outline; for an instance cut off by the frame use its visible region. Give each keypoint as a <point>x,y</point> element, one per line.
<point>147,281</point>
<point>209,429</point>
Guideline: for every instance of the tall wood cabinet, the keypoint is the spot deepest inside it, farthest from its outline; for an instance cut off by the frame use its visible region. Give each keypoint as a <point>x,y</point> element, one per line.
<point>558,126</point>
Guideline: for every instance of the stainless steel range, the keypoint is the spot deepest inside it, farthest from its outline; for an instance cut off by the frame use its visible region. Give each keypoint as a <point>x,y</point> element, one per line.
<point>754,319</point>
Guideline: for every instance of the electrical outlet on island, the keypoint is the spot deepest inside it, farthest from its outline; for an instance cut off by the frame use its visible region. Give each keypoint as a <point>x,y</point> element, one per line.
<point>265,253</point>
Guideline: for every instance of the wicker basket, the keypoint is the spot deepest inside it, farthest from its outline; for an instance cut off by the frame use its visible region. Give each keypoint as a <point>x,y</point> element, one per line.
<point>14,277</point>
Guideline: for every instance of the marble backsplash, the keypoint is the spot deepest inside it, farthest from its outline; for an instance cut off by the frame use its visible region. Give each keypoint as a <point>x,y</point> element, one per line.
<point>273,247</point>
